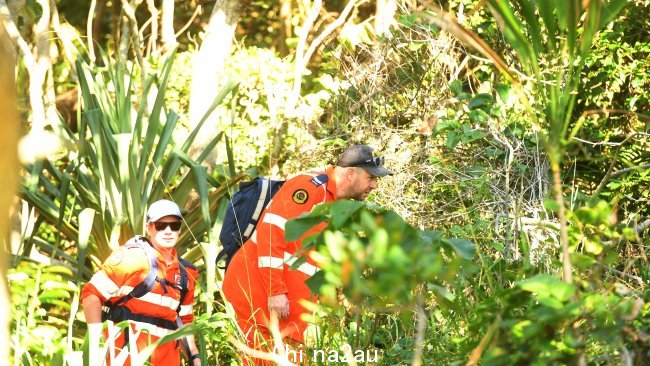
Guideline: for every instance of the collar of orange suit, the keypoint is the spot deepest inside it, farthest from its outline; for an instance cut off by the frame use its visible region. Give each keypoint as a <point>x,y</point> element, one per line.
<point>161,259</point>
<point>331,181</point>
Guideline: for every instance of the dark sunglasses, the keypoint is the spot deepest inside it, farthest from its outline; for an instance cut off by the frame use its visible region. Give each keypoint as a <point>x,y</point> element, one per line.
<point>160,226</point>
<point>376,161</point>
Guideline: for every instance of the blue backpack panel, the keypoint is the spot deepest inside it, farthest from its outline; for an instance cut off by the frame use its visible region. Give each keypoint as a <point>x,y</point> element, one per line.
<point>244,209</point>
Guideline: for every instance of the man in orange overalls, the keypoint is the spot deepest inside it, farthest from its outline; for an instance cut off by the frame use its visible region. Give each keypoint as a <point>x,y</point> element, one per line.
<point>154,314</point>
<point>259,280</point>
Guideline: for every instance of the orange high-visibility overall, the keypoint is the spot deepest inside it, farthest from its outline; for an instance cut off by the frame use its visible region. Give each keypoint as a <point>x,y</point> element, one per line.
<point>124,270</point>
<point>261,267</point>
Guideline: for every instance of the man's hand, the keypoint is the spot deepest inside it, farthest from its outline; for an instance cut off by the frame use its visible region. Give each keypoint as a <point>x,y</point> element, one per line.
<point>280,305</point>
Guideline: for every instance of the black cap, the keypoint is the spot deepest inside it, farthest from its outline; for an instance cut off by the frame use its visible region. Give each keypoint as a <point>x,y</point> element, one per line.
<point>361,156</point>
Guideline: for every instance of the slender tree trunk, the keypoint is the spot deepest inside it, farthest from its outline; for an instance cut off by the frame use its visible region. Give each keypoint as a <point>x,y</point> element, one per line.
<point>286,29</point>
<point>385,16</point>
<point>9,181</point>
<point>98,20</point>
<point>168,36</point>
<point>207,74</point>
<point>38,75</point>
<point>564,233</point>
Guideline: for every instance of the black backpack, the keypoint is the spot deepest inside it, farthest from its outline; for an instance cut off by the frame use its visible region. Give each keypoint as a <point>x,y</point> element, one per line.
<point>117,312</point>
<point>242,213</point>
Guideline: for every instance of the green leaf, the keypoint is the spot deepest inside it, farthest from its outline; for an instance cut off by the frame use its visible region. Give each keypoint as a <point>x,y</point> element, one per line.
<point>472,136</point>
<point>593,246</point>
<point>316,281</point>
<point>53,294</point>
<point>582,261</point>
<point>342,210</point>
<point>296,228</point>
<point>408,20</point>
<point>548,286</point>
<point>446,125</point>
<point>86,219</point>
<point>453,138</point>
<point>478,116</point>
<point>462,247</point>
<point>456,86</point>
<point>481,100</point>
<point>551,205</point>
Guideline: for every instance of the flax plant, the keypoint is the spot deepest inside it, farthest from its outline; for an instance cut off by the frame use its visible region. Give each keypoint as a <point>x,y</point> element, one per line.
<point>551,40</point>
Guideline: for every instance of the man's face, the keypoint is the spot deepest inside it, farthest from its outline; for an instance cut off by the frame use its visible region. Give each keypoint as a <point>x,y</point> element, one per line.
<point>362,183</point>
<point>161,232</point>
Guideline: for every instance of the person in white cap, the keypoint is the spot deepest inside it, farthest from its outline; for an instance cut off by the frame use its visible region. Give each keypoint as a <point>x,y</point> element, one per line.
<point>145,283</point>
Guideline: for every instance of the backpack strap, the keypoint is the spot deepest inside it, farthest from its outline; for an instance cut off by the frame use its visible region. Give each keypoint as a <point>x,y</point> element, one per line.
<point>182,266</point>
<point>184,283</point>
<point>319,180</point>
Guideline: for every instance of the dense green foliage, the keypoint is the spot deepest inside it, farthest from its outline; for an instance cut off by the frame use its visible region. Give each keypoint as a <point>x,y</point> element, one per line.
<point>519,135</point>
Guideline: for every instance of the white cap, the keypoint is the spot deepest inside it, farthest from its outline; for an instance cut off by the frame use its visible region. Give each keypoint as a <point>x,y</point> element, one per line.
<point>162,208</point>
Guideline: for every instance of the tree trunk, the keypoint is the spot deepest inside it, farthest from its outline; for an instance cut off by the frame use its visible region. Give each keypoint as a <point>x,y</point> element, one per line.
<point>9,182</point>
<point>37,76</point>
<point>168,36</point>
<point>385,16</point>
<point>153,39</point>
<point>564,232</point>
<point>285,27</point>
<point>208,71</point>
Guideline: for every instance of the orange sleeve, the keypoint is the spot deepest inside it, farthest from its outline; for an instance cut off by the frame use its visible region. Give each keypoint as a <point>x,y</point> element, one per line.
<point>296,197</point>
<point>124,269</point>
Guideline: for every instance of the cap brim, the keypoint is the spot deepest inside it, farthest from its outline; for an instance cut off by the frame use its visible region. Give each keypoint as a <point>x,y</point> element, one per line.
<point>377,171</point>
<point>158,217</point>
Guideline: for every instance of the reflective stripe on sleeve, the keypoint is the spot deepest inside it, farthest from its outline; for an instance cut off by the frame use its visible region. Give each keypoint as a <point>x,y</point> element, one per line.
<point>158,299</point>
<point>254,237</point>
<point>185,310</point>
<point>306,268</point>
<point>145,327</point>
<point>149,297</point>
<point>277,263</point>
<point>104,284</point>
<point>274,219</point>
<point>270,262</point>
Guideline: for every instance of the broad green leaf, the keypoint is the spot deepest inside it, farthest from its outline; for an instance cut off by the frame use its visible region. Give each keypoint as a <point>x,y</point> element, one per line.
<point>548,286</point>
<point>581,260</point>
<point>408,20</point>
<point>452,139</point>
<point>462,247</point>
<point>551,205</point>
<point>593,246</point>
<point>611,10</point>
<point>316,281</point>
<point>86,218</point>
<point>342,210</point>
<point>456,86</point>
<point>296,228</point>
<point>481,100</point>
<point>504,91</point>
<point>336,244</point>
<point>472,136</point>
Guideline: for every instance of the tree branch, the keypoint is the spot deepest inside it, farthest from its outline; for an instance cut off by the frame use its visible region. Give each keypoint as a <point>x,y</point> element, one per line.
<point>302,60</point>
<point>627,170</point>
<point>608,175</point>
<point>89,30</point>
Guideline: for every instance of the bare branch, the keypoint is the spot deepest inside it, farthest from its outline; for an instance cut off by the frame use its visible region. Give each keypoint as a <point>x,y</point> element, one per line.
<point>609,173</point>
<point>89,30</point>
<point>642,226</point>
<point>627,170</point>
